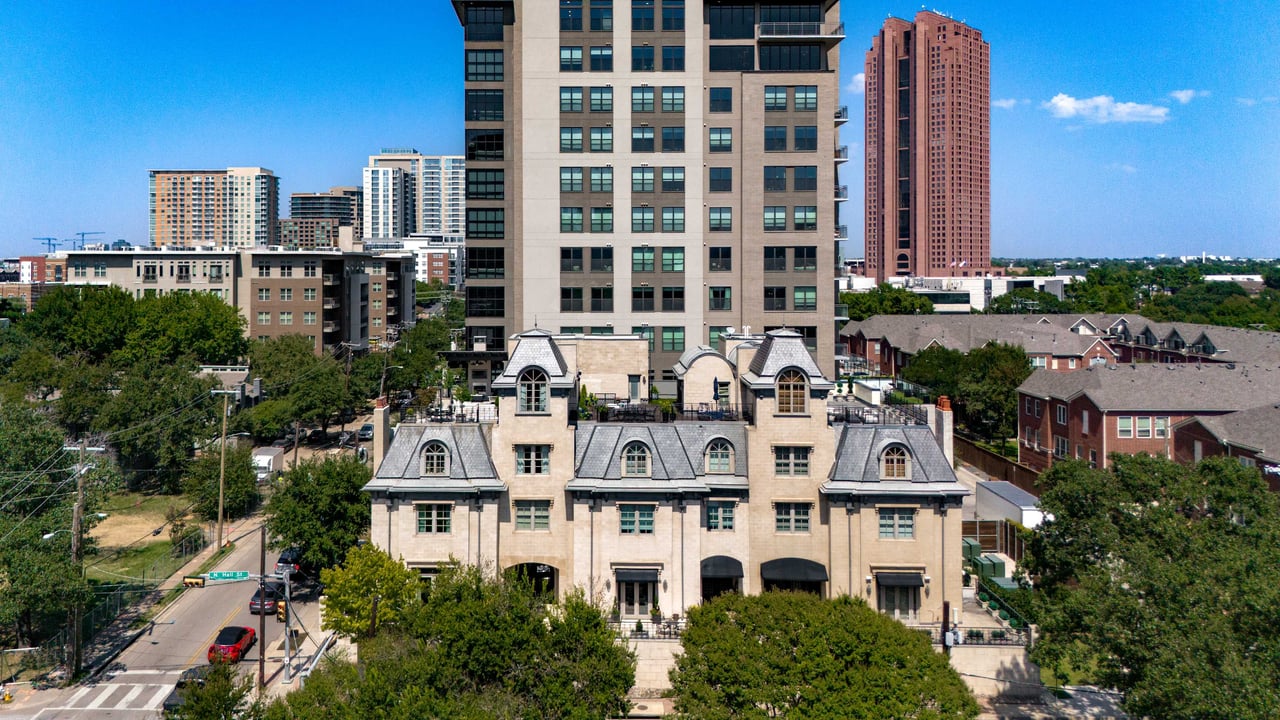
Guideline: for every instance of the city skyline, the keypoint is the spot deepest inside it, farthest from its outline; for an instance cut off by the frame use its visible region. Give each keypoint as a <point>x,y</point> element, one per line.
<point>1117,131</point>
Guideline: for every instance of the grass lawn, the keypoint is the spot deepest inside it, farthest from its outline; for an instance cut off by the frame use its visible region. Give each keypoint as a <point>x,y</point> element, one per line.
<point>142,561</point>
<point>129,504</point>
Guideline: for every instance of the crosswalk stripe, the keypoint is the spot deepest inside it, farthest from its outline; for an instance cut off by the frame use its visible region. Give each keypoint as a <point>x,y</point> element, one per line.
<point>134,692</point>
<point>79,694</point>
<point>102,696</point>
<point>158,698</point>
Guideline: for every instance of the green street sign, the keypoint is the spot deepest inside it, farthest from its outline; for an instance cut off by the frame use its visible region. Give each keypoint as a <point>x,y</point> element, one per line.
<point>229,575</point>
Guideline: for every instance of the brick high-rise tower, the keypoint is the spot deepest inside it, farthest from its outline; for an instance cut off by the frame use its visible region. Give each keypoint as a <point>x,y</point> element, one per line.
<point>928,147</point>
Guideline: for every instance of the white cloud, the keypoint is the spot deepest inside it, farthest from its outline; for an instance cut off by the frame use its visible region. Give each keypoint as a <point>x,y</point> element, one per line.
<point>1104,109</point>
<point>1186,96</point>
<point>857,84</point>
<point>1123,167</point>
<point>1004,104</point>
<point>1247,102</point>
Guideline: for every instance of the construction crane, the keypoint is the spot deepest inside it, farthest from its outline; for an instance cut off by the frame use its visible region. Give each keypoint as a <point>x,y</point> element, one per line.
<point>82,234</point>
<point>50,243</point>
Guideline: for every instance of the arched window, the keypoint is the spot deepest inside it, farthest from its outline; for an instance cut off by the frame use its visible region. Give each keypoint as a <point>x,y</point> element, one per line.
<point>435,459</point>
<point>793,390</point>
<point>719,457</point>
<point>894,463</point>
<point>533,391</point>
<point>635,460</point>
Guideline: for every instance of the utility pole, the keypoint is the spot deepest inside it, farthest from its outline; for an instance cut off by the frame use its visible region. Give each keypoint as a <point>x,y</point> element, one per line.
<point>262,616</point>
<point>77,556</point>
<point>222,465</point>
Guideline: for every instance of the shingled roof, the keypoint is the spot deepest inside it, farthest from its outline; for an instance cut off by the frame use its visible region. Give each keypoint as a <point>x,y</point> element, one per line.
<point>1171,387</point>
<point>535,348</point>
<point>1257,429</point>
<point>676,456</point>
<point>470,467</point>
<point>782,349</point>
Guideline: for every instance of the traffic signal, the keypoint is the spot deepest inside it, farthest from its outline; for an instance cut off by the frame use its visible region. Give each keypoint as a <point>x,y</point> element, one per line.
<point>193,580</point>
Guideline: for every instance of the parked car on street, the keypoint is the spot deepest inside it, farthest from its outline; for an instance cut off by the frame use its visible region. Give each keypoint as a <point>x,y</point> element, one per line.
<point>191,677</point>
<point>266,600</point>
<point>232,644</point>
<point>290,561</point>
<point>317,437</point>
<point>366,431</point>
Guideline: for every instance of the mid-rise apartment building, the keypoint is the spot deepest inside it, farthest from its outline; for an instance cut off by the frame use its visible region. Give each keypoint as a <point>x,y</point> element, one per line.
<point>343,203</point>
<point>664,168</point>
<point>928,149</point>
<point>407,193</point>
<point>235,207</point>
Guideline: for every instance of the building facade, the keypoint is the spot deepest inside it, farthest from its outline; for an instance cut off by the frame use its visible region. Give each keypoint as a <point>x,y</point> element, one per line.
<point>443,196</point>
<point>407,193</point>
<point>307,233</point>
<point>343,203</point>
<point>928,149</point>
<point>235,207</point>
<point>743,488</point>
<point>667,169</point>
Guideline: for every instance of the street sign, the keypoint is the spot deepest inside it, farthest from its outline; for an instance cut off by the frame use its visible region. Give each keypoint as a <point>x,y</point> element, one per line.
<point>229,575</point>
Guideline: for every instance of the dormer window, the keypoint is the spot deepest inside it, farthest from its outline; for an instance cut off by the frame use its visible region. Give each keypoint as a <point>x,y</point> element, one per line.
<point>533,391</point>
<point>719,457</point>
<point>895,463</point>
<point>793,391</point>
<point>435,459</point>
<point>635,460</point>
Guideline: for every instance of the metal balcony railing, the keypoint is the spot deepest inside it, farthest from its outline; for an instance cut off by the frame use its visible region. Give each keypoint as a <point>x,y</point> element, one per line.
<point>842,192</point>
<point>842,232</point>
<point>842,153</point>
<point>791,30</point>
<point>842,114</point>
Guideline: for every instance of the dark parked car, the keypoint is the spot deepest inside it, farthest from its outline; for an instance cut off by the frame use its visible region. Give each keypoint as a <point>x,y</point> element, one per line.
<point>232,644</point>
<point>191,677</point>
<point>366,431</point>
<point>266,600</point>
<point>317,437</point>
<point>290,561</point>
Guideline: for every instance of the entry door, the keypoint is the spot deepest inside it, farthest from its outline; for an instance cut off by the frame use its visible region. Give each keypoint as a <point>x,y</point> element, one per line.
<point>633,387</point>
<point>636,598</point>
<point>900,603</point>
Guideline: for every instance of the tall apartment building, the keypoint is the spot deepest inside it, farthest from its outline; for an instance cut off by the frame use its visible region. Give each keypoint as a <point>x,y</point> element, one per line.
<point>407,192</point>
<point>344,203</point>
<point>928,140</point>
<point>236,207</point>
<point>664,167</point>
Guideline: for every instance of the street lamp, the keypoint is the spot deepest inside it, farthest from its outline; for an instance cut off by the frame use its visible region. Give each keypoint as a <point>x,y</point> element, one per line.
<point>49,535</point>
<point>383,383</point>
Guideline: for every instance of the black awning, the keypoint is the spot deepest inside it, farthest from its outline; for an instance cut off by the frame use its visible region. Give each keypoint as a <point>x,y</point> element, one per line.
<point>793,570</point>
<point>721,566</point>
<point>636,575</point>
<point>900,579</point>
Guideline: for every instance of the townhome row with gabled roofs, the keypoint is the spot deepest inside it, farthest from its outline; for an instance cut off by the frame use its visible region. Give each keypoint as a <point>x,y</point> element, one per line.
<point>1251,436</point>
<point>1129,408</point>
<point>739,485</point>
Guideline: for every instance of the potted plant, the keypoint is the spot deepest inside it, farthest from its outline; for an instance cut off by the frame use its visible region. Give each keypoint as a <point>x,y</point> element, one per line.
<point>655,613</point>
<point>639,630</point>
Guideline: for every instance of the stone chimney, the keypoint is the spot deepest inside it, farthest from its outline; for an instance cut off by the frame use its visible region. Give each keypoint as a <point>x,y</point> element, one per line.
<point>942,422</point>
<point>381,431</point>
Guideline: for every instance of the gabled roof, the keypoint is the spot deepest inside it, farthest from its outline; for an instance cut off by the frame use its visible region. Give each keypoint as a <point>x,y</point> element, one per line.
<point>470,467</point>
<point>1167,387</point>
<point>857,464</point>
<point>535,348</point>
<point>1036,334</point>
<point>782,349</point>
<point>1256,429</point>
<point>676,456</point>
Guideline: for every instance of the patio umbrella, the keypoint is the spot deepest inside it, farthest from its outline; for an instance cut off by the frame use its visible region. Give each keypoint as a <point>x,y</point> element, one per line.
<point>715,389</point>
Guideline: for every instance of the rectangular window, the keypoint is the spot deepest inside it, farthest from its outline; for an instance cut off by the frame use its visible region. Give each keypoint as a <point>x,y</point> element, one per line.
<point>775,138</point>
<point>642,58</point>
<point>571,15</point>
<point>1062,414</point>
<point>264,294</point>
<point>672,15</point>
<point>1060,446</point>
<point>602,15</point>
<point>775,217</point>
<point>309,317</point>
<point>484,23</point>
<point>806,98</point>
<point>732,22</point>
<point>570,219</point>
<point>798,57</point>
<point>775,178</point>
<point>434,518</point>
<point>721,139</point>
<point>602,58</point>
<point>642,259</point>
<point>672,259</point>
<point>486,184</point>
<point>642,139</point>
<point>673,299</point>
<point>641,179</point>
<point>264,269</point>
<point>642,15</point>
<point>484,66</point>
<point>483,105</point>
<point>720,219</point>
<point>791,460</point>
<point>533,514</point>
<point>897,523</point>
<point>533,459</point>
<point>570,99</point>
<point>601,99</point>
<point>570,299</point>
<point>1084,422</point>
<point>571,59</point>
<point>720,100</point>
<point>642,299</point>
<point>601,219</point>
<point>673,58</point>
<point>775,98</point>
<point>286,294</point>
<point>601,139</point>
<point>673,339</point>
<point>1144,427</point>
<point>720,513</point>
<point>720,179</point>
<point>486,302</point>
<point>731,58</point>
<point>486,223</point>
<point>601,179</point>
<point>642,219</point>
<point>720,259</point>
<point>264,318</point>
<point>636,519</point>
<point>791,517</point>
<point>601,299</point>
<point>806,217</point>
<point>486,263</point>
<point>806,178</point>
<point>775,258</point>
<point>309,294</point>
<point>1124,427</point>
<point>1162,427</point>
<point>805,298</point>
<point>714,334</point>
<point>673,99</point>
<point>720,298</point>
<point>645,332</point>
<point>673,179</point>
<point>673,220</point>
<point>775,298</point>
<point>806,258</point>
<point>570,139</point>
<point>806,138</point>
<point>642,99</point>
<point>673,139</point>
<point>570,259</point>
<point>570,179</point>
<point>602,259</point>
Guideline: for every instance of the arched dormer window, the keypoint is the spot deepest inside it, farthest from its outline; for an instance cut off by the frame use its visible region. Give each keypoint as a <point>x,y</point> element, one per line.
<point>793,393</point>
<point>635,460</point>
<point>895,463</point>
<point>435,459</point>
<point>533,391</point>
<point>719,457</point>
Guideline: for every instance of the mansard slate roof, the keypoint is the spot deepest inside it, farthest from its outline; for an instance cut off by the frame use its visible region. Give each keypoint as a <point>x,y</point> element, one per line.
<point>780,350</point>
<point>676,456</point>
<point>1256,429</point>
<point>857,466</point>
<point>535,348</point>
<point>1169,387</point>
<point>470,467</point>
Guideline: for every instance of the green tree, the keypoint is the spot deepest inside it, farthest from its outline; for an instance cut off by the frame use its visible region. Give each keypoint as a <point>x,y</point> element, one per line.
<point>351,588</point>
<point>1271,278</point>
<point>86,389</point>
<point>784,654</point>
<point>240,486</point>
<point>222,696</point>
<point>937,368</point>
<point>309,389</point>
<point>36,371</point>
<point>320,508</point>
<point>1163,581</point>
<point>52,317</point>
<point>199,326</point>
<point>988,389</point>
<point>885,300</point>
<point>1027,300</point>
<point>104,317</point>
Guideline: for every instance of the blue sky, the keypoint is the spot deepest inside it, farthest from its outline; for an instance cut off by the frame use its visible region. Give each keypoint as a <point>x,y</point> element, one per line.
<point>1119,128</point>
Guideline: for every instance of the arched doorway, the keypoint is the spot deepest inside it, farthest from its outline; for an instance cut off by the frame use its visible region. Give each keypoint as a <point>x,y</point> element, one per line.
<point>720,574</point>
<point>793,574</point>
<point>540,575</point>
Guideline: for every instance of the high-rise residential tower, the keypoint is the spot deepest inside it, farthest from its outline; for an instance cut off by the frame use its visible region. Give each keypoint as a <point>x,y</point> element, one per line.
<point>235,207</point>
<point>928,148</point>
<point>660,167</point>
<point>408,193</point>
<point>344,204</point>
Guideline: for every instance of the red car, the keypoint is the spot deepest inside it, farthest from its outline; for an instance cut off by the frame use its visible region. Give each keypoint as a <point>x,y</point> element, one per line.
<point>231,644</point>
